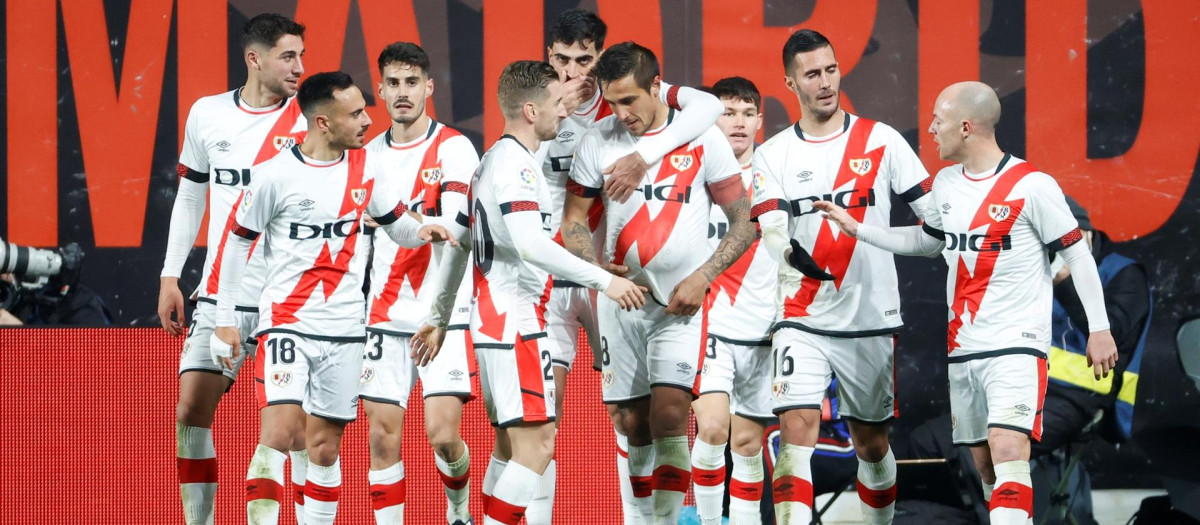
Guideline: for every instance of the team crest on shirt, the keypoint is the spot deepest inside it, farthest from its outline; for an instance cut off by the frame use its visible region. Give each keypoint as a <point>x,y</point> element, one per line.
<point>681,162</point>
<point>860,166</point>
<point>528,176</point>
<point>779,389</point>
<point>358,195</point>
<point>999,212</point>
<point>283,142</point>
<point>281,379</point>
<point>431,175</point>
<point>609,379</point>
<point>368,374</point>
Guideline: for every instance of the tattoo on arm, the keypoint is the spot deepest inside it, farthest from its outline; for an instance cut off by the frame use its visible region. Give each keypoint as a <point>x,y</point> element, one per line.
<point>578,239</point>
<point>735,242</point>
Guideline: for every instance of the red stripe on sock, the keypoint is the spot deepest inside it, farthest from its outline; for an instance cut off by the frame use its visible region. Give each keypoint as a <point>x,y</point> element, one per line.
<point>1013,495</point>
<point>317,492</point>
<point>384,496</point>
<point>298,494</point>
<point>454,483</point>
<point>643,486</point>
<point>708,477</point>
<point>877,498</point>
<point>262,488</point>
<point>503,511</point>
<point>197,470</point>
<point>745,490</point>
<point>792,488</point>
<point>670,477</point>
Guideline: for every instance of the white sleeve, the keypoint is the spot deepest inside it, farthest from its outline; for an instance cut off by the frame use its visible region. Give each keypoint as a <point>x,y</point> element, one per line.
<point>401,227</point>
<point>1087,284</point>
<point>538,249</point>
<point>459,162</point>
<point>447,280</point>
<point>186,215</point>
<point>722,163</point>
<point>909,179</point>
<point>698,111</point>
<point>904,240</point>
<point>193,154</point>
<point>769,207</point>
<point>1048,212</point>
<point>233,265</point>
<point>585,168</point>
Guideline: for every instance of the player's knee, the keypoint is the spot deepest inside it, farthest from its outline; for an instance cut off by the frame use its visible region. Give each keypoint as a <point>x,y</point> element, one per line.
<point>712,429</point>
<point>444,440</point>
<point>669,420</point>
<point>282,436</point>
<point>195,413</point>
<point>746,443</point>
<point>799,428</point>
<point>385,439</point>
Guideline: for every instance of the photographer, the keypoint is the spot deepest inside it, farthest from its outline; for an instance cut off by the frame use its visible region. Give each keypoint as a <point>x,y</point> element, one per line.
<point>41,287</point>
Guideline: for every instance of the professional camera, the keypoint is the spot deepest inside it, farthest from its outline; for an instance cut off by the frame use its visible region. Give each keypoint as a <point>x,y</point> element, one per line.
<point>50,272</point>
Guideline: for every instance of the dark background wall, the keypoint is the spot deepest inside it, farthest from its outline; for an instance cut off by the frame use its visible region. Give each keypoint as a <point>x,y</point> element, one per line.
<point>1100,94</point>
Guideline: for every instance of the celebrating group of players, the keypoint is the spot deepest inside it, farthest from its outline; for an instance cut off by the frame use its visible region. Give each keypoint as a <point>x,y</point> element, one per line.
<point>612,203</point>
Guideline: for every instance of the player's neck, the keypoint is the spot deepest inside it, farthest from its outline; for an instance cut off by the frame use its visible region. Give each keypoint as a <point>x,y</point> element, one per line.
<point>317,148</point>
<point>524,135</point>
<point>746,156</point>
<point>661,112</point>
<point>813,126</point>
<point>985,157</point>
<point>405,133</point>
<point>255,95</point>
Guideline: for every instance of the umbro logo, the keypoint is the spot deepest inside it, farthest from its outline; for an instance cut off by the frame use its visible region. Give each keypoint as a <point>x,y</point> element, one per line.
<point>946,209</point>
<point>456,373</point>
<point>566,135</point>
<point>1022,407</point>
<point>223,146</point>
<point>684,367</point>
<point>1008,493</point>
<point>307,202</point>
<point>805,175</point>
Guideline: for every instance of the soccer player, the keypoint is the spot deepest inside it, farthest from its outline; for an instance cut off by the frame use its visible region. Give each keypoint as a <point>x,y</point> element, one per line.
<point>652,357</point>
<point>513,258</point>
<point>576,42</point>
<point>310,202</point>
<point>1000,219</point>
<point>839,318</point>
<point>738,352</point>
<point>429,167</point>
<point>226,138</point>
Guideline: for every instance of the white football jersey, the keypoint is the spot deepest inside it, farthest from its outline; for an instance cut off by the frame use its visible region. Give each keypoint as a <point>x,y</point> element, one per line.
<point>559,153</point>
<point>227,140</point>
<point>312,213</point>
<point>856,168</point>
<point>418,174</point>
<point>661,231</point>
<point>743,306</point>
<point>999,229</point>
<point>508,180</point>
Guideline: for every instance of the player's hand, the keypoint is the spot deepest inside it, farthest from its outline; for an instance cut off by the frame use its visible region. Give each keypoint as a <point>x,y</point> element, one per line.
<point>688,296</point>
<point>1101,353</point>
<point>837,215</point>
<point>624,176</point>
<point>426,344</point>
<point>436,233</point>
<point>799,258</point>
<point>616,269</point>
<point>225,344</point>
<point>577,91</point>
<point>170,301</point>
<point>628,295</point>
<point>369,221</point>
<point>1062,274</point>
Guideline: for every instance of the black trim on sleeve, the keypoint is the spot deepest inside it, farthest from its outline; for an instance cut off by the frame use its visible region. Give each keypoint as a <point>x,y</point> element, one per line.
<point>516,206</point>
<point>393,215</point>
<point>579,189</point>
<point>462,220</point>
<point>766,206</point>
<point>244,232</point>
<point>563,283</point>
<point>933,232</point>
<point>917,191</point>
<point>1064,242</point>
<point>455,186</point>
<point>996,353</point>
<point>185,172</point>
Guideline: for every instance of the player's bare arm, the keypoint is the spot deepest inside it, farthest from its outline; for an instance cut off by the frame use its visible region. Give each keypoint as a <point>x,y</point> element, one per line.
<point>688,296</point>
<point>577,237</point>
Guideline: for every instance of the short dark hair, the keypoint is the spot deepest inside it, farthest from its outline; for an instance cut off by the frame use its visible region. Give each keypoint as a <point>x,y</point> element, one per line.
<point>319,88</point>
<point>268,28</point>
<point>737,88</point>
<point>406,53</point>
<point>627,58</point>
<point>523,81</point>
<point>802,41</point>
<point>577,25</point>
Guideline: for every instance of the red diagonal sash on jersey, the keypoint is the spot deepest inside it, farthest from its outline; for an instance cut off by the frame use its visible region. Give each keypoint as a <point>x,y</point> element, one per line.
<point>327,269</point>
<point>969,288</point>
<point>731,279</point>
<point>491,321</point>
<point>429,178</point>
<point>278,137</point>
<point>833,254</point>
<point>651,234</point>
<point>410,264</point>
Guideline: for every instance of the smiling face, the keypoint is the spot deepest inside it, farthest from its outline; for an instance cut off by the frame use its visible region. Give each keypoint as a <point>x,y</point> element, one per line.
<point>405,89</point>
<point>635,107</point>
<point>739,123</point>
<point>280,67</point>
<point>550,111</point>
<point>816,81</point>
